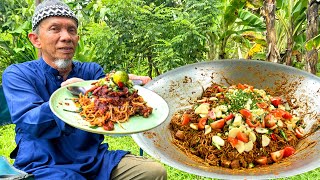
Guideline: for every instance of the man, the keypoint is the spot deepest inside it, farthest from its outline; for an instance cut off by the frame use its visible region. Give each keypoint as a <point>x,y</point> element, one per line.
<point>47,147</point>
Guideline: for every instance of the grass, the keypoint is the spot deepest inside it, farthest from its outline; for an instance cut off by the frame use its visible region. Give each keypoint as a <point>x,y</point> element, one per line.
<point>7,144</point>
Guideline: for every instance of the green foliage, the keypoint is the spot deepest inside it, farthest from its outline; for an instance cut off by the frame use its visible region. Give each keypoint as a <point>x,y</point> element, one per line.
<point>291,24</point>
<point>150,37</point>
<point>147,39</point>
<point>313,43</point>
<point>15,25</point>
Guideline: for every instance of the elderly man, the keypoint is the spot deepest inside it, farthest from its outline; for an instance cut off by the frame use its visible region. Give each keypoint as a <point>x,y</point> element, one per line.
<point>46,146</point>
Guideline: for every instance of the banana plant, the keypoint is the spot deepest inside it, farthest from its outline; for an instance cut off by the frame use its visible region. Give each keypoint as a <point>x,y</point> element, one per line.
<point>291,25</point>
<point>231,28</point>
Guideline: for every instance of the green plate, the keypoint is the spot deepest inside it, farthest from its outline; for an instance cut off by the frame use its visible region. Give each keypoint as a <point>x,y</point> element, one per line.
<point>60,100</point>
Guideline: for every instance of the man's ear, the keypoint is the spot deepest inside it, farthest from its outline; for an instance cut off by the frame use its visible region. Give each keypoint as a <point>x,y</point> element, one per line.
<point>34,38</point>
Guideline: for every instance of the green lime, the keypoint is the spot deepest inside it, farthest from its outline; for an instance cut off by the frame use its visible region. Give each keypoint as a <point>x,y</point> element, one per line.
<point>120,76</point>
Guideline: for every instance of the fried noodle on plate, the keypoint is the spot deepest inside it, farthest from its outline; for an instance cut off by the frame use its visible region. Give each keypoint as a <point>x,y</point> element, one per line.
<point>106,103</point>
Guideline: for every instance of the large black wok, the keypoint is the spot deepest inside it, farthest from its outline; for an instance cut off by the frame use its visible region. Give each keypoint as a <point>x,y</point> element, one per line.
<point>182,85</point>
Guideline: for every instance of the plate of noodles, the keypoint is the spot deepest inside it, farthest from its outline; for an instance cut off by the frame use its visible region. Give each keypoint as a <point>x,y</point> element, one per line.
<point>108,111</point>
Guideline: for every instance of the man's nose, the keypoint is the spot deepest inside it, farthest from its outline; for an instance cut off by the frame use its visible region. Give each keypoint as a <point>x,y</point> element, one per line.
<point>65,35</point>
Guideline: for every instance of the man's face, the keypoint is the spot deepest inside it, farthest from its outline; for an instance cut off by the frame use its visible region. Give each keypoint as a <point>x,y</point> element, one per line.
<point>58,38</point>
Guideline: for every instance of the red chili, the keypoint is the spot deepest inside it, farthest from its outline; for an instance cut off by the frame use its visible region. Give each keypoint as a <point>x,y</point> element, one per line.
<point>273,137</point>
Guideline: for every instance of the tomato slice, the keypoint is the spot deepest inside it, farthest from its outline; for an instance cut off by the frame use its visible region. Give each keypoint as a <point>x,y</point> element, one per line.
<point>279,113</point>
<point>185,119</point>
<point>202,122</point>
<point>241,86</point>
<point>262,105</point>
<point>229,117</point>
<point>246,113</point>
<point>218,124</point>
<point>286,115</point>
<point>251,123</point>
<point>233,141</point>
<point>288,151</point>
<point>270,120</point>
<point>263,160</point>
<point>244,86</point>
<point>276,101</point>
<point>277,155</point>
<point>243,137</point>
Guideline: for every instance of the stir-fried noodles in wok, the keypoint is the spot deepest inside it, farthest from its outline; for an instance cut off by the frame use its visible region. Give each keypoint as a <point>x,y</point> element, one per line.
<point>237,127</point>
<point>107,103</point>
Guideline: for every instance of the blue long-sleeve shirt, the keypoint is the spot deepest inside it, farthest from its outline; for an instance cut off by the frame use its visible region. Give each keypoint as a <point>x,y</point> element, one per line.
<point>46,146</point>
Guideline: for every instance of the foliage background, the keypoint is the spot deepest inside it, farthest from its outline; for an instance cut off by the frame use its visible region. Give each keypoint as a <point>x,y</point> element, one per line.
<point>151,37</point>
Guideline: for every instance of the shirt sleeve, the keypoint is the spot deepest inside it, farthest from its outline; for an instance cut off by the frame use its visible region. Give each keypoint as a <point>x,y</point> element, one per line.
<point>29,111</point>
<point>90,71</point>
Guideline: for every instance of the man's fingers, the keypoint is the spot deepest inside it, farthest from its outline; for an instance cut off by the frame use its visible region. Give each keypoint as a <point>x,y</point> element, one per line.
<point>144,79</point>
<point>70,81</point>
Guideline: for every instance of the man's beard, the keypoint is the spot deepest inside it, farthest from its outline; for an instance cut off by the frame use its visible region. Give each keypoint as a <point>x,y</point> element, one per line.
<point>63,63</point>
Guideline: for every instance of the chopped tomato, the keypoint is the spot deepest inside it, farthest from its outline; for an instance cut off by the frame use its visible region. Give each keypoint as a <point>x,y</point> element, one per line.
<point>212,115</point>
<point>249,87</point>
<point>263,160</point>
<point>270,120</point>
<point>202,122</point>
<point>286,115</point>
<point>276,101</point>
<point>246,113</point>
<point>229,117</point>
<point>217,124</point>
<point>299,132</point>
<point>185,119</point>
<point>288,151</point>
<point>241,86</point>
<point>277,155</point>
<point>262,105</point>
<point>279,113</point>
<point>243,137</point>
<point>233,141</point>
<point>252,123</point>
<point>244,86</point>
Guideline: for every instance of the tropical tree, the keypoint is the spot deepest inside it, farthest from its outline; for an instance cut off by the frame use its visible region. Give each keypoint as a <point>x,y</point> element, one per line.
<point>269,15</point>
<point>312,31</point>
<point>291,30</point>
<point>157,38</point>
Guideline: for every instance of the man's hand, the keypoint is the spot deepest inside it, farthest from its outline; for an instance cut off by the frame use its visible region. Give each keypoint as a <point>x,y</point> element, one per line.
<point>144,79</point>
<point>70,81</point>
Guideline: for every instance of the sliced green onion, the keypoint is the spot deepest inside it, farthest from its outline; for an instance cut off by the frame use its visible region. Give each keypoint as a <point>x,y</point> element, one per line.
<point>283,134</point>
<point>71,111</point>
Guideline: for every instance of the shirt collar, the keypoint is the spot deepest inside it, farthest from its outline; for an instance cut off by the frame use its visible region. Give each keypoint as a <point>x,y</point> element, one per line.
<point>51,70</point>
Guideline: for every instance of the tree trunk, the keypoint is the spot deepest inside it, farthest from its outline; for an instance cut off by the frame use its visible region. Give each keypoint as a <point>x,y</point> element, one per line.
<point>312,31</point>
<point>222,53</point>
<point>289,49</point>
<point>211,46</point>
<point>269,15</point>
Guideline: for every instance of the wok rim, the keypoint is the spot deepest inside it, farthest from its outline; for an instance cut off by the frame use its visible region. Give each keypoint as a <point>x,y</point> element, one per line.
<point>140,138</point>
